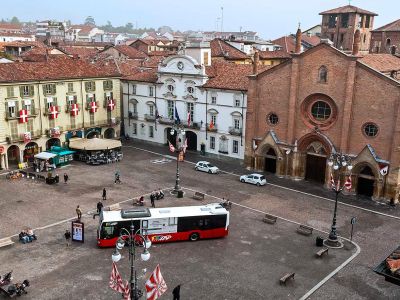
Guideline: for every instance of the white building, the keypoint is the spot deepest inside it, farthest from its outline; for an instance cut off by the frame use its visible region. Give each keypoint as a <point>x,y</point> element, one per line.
<point>14,37</point>
<point>215,96</point>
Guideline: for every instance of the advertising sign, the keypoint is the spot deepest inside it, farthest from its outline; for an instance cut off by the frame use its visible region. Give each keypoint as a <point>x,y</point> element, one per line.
<point>78,231</point>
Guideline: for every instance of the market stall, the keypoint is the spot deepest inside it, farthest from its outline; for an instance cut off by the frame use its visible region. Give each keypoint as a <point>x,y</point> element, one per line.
<point>96,151</point>
<point>64,156</point>
<point>44,161</point>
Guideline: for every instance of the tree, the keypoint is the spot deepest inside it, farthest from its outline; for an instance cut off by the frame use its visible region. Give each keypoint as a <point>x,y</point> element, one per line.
<point>14,20</point>
<point>90,21</point>
<point>129,26</point>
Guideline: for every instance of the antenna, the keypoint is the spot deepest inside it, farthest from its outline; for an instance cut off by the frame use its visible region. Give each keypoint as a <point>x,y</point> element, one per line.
<point>222,19</point>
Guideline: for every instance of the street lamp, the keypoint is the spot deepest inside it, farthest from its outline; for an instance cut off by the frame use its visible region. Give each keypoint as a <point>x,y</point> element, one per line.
<point>339,164</point>
<point>180,134</point>
<point>131,240</point>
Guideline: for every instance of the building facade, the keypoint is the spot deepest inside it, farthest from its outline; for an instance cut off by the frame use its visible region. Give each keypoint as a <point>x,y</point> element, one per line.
<point>44,104</point>
<point>320,102</point>
<point>386,39</point>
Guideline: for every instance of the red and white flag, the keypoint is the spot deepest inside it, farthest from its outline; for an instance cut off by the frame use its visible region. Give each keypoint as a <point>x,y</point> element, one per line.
<point>74,109</point>
<point>127,291</point>
<point>93,106</point>
<point>111,104</point>
<point>156,285</point>
<point>189,118</point>
<point>23,116</point>
<point>184,146</point>
<point>348,183</point>
<point>115,280</point>
<point>211,124</point>
<point>53,112</point>
<point>171,147</point>
<point>332,181</point>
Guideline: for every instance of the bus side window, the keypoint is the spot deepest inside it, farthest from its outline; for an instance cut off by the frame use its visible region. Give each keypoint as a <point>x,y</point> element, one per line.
<point>145,224</point>
<point>172,221</point>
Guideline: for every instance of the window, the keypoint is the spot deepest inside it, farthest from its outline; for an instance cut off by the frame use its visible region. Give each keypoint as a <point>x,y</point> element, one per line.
<point>371,129</point>
<point>321,111</point>
<point>26,90</point>
<point>190,109</point>
<point>190,90</point>
<point>345,20</point>
<point>212,142</point>
<point>332,20</point>
<point>170,88</point>
<point>107,85</point>
<point>90,86</point>
<point>235,147</point>
<point>151,131</point>
<point>236,101</point>
<point>367,21</point>
<point>71,100</point>
<point>134,89</point>
<point>134,107</point>
<point>29,126</point>
<point>205,58</point>
<point>151,110</point>
<point>388,42</point>
<point>14,128</point>
<point>170,107</point>
<point>214,119</point>
<point>214,98</point>
<point>322,74</point>
<point>51,101</point>
<point>107,97</point>
<point>91,119</point>
<point>70,87</point>
<point>134,128</point>
<point>52,123</point>
<point>49,89</point>
<point>272,119</point>
<point>10,91</point>
<point>236,123</point>
<point>29,106</point>
<point>72,121</point>
<point>341,38</point>
<point>151,91</point>
<point>223,145</point>
<point>365,38</point>
<point>11,109</point>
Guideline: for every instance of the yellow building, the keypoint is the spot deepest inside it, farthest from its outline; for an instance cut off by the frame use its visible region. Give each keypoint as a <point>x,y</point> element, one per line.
<point>43,104</point>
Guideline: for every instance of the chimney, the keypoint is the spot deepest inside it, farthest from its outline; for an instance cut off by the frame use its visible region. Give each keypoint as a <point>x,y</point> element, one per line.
<point>356,43</point>
<point>255,62</point>
<point>298,41</point>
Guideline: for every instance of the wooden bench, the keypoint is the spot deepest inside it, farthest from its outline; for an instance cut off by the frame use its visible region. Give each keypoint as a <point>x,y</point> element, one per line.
<point>305,230</point>
<point>286,277</point>
<point>198,196</point>
<point>270,219</point>
<point>6,242</point>
<point>321,252</point>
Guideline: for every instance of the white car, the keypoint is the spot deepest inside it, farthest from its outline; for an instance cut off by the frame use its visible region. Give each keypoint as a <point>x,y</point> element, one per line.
<point>256,179</point>
<point>205,166</point>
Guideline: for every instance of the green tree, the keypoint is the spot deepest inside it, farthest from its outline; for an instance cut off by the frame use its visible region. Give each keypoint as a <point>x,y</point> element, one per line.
<point>15,20</point>
<point>90,21</point>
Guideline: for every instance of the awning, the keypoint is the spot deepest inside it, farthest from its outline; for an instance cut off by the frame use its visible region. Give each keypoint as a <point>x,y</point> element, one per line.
<point>94,144</point>
<point>45,155</point>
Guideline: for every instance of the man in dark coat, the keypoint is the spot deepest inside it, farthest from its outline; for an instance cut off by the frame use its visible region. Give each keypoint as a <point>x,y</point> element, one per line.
<point>65,178</point>
<point>152,196</point>
<point>104,194</point>
<point>99,207</point>
<point>176,292</point>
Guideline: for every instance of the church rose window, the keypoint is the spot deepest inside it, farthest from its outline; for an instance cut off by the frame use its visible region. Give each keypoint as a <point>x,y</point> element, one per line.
<point>272,119</point>
<point>370,129</point>
<point>321,111</point>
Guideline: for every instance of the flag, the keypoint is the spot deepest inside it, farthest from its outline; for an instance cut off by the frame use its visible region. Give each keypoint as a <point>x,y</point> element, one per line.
<point>338,185</point>
<point>383,170</point>
<point>211,124</point>
<point>171,147</point>
<point>332,181</point>
<point>155,285</point>
<point>127,291</point>
<point>74,109</point>
<point>177,119</point>
<point>348,183</point>
<point>116,280</point>
<point>53,112</point>
<point>184,146</point>
<point>93,106</point>
<point>189,118</point>
<point>23,116</point>
<point>111,104</point>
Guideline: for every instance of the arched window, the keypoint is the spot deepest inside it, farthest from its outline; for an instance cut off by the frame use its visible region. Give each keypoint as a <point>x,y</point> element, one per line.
<point>323,74</point>
<point>388,42</point>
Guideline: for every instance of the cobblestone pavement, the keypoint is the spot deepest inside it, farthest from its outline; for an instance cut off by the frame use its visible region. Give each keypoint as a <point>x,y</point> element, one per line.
<point>245,265</point>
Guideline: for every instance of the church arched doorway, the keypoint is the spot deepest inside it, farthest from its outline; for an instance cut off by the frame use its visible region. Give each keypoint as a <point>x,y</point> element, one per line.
<point>52,142</point>
<point>316,156</point>
<point>109,133</point>
<point>13,156</point>
<point>31,149</point>
<point>366,182</point>
<point>191,140</point>
<point>270,161</point>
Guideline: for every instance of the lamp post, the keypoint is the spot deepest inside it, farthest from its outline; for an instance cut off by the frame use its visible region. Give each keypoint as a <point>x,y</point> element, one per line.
<point>339,164</point>
<point>180,133</point>
<point>130,240</point>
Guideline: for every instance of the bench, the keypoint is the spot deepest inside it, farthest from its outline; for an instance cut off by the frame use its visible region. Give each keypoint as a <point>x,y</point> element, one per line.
<point>5,242</point>
<point>321,252</point>
<point>305,230</point>
<point>286,277</point>
<point>198,196</point>
<point>270,219</point>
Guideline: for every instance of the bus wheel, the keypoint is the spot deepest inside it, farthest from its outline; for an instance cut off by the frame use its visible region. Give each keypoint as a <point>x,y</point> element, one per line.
<point>194,237</point>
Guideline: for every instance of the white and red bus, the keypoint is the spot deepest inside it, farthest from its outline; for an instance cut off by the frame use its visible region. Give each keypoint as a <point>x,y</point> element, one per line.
<point>166,224</point>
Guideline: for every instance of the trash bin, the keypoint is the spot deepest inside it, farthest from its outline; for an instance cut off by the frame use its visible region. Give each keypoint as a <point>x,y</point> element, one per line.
<point>180,194</point>
<point>319,242</point>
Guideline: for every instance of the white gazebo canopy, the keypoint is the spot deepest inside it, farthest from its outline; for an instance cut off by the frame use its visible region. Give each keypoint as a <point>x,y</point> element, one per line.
<point>45,155</point>
<point>94,144</point>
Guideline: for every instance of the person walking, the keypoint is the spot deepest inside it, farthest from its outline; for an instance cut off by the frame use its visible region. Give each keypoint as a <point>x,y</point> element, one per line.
<point>104,194</point>
<point>176,292</point>
<point>152,196</point>
<point>79,212</point>
<point>117,178</point>
<point>99,207</point>
<point>67,236</point>
<point>65,178</point>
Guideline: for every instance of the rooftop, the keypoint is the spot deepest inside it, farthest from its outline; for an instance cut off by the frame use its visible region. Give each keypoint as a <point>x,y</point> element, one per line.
<point>221,48</point>
<point>394,26</point>
<point>348,9</point>
<point>273,54</point>
<point>130,52</point>
<point>384,63</point>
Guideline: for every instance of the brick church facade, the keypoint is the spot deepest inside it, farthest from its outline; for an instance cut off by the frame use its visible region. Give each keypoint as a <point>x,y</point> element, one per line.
<point>319,102</point>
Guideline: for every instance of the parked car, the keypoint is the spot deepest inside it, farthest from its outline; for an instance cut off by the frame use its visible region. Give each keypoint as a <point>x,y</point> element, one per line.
<point>205,166</point>
<point>256,179</point>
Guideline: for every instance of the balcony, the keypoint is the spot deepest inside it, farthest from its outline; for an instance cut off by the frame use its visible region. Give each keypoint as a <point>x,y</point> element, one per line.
<point>235,131</point>
<point>32,113</point>
<point>215,128</point>
<point>73,127</point>
<point>193,125</point>
<point>133,115</point>
<point>104,123</point>
<point>47,110</point>
<point>19,138</point>
<point>87,107</point>
<point>166,121</point>
<point>150,118</point>
<point>68,108</point>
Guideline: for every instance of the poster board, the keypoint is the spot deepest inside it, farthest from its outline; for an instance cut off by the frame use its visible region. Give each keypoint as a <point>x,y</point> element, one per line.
<point>78,231</point>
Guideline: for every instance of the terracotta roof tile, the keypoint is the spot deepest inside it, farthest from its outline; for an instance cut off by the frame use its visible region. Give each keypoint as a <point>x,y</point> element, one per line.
<point>220,48</point>
<point>348,9</point>
<point>131,52</point>
<point>81,52</point>
<point>9,26</point>
<point>288,43</point>
<point>161,53</point>
<point>274,54</point>
<point>394,26</point>
<point>24,44</point>
<point>55,69</point>
<point>384,63</point>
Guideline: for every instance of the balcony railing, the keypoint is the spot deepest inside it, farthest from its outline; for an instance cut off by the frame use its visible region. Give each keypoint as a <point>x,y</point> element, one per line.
<point>150,118</point>
<point>47,110</point>
<point>32,113</point>
<point>68,108</point>
<point>193,125</point>
<point>133,115</point>
<point>235,131</point>
<point>166,121</point>
<point>87,106</point>
<point>103,123</point>
<point>15,138</point>
<point>214,128</point>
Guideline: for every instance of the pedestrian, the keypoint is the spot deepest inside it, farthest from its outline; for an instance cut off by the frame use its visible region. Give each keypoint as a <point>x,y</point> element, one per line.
<point>117,178</point>
<point>65,178</point>
<point>99,207</point>
<point>152,196</point>
<point>104,194</point>
<point>79,212</point>
<point>67,236</point>
<point>176,292</point>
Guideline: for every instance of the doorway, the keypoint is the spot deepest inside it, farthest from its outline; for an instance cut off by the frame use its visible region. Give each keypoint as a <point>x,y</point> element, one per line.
<point>315,168</point>
<point>366,182</point>
<point>13,156</point>
<point>270,161</point>
<point>52,142</point>
<point>191,140</point>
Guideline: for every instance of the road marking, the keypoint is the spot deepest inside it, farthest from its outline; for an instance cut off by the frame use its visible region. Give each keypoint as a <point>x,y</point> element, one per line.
<point>285,188</point>
<point>160,161</point>
<point>326,278</point>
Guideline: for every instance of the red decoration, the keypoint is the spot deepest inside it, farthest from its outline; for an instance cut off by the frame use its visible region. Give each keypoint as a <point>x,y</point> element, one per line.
<point>23,116</point>
<point>93,106</point>
<point>155,285</point>
<point>111,104</point>
<point>74,110</point>
<point>53,112</point>
<point>27,137</point>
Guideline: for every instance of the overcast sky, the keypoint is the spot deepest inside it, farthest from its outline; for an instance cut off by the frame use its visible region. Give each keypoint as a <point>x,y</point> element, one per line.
<point>270,18</point>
